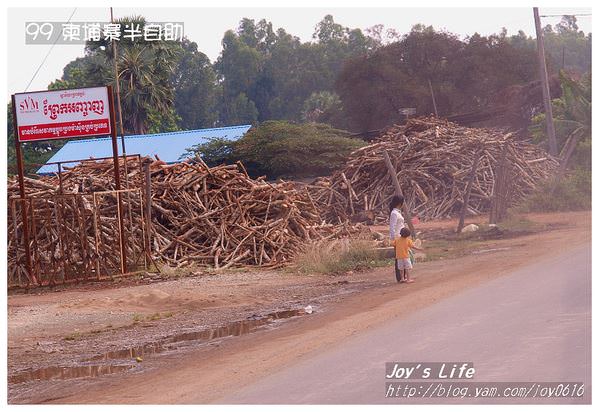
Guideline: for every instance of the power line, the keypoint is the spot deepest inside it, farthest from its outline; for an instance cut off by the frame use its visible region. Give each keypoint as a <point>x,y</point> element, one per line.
<point>566,14</point>
<point>49,51</point>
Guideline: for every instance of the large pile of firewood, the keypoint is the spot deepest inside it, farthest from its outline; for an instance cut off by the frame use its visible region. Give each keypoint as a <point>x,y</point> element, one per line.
<point>73,235</point>
<point>209,216</point>
<point>223,217</point>
<point>433,159</point>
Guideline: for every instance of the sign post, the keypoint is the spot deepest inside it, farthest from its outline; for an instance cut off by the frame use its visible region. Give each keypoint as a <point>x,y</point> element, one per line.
<point>117,180</point>
<point>60,114</point>
<point>24,211</point>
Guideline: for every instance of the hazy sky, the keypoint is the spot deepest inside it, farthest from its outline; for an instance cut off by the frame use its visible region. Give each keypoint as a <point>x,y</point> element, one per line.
<point>206,26</point>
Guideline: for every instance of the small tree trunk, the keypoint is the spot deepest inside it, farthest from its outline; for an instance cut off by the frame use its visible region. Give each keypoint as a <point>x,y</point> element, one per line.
<point>466,198</point>
<point>567,151</point>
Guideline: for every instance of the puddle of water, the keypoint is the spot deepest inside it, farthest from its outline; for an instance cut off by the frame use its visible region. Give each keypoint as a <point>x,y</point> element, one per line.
<point>67,372</point>
<point>236,328</point>
<point>233,329</point>
<point>130,353</point>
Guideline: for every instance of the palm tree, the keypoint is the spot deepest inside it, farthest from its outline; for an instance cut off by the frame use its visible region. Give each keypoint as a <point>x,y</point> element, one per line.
<point>574,119</point>
<point>144,71</point>
<point>142,87</point>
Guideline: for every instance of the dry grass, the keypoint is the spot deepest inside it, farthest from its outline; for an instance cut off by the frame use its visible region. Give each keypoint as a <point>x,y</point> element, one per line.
<point>338,256</point>
<point>573,192</point>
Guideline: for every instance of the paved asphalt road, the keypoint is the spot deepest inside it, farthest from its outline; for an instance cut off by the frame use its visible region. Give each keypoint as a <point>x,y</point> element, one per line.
<point>531,325</point>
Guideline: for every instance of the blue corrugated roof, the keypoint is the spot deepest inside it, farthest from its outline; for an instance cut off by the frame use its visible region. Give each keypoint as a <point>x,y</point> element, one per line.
<point>169,147</point>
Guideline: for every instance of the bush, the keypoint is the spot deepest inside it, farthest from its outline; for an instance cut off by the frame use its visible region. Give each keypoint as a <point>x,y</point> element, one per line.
<point>570,193</point>
<point>216,152</point>
<point>283,149</point>
<point>339,256</point>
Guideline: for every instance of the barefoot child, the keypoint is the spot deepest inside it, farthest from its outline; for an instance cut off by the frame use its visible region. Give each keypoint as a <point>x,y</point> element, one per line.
<point>403,244</point>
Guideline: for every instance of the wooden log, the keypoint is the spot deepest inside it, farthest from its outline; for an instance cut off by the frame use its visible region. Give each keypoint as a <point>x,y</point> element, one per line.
<point>466,198</point>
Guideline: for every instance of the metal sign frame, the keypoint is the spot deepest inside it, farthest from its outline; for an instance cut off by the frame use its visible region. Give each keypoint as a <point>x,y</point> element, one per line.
<point>21,176</point>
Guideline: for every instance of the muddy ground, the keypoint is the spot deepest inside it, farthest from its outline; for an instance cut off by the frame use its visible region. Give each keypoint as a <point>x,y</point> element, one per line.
<point>64,342</point>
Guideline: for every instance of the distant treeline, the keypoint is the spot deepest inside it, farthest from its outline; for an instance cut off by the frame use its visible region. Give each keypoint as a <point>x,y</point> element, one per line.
<point>351,79</point>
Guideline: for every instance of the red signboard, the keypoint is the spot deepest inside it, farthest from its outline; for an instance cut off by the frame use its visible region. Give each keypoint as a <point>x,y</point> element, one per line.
<point>59,114</point>
<point>62,114</point>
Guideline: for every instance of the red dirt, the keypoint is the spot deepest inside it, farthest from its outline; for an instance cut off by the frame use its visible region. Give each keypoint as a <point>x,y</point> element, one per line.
<point>102,319</point>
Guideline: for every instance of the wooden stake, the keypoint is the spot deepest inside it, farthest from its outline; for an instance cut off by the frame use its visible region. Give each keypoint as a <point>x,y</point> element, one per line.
<point>430,86</point>
<point>391,170</point>
<point>468,190</point>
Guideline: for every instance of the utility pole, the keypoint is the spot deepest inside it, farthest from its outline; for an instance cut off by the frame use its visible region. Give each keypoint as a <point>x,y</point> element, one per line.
<point>430,86</point>
<point>116,160</point>
<point>545,85</point>
<point>117,88</point>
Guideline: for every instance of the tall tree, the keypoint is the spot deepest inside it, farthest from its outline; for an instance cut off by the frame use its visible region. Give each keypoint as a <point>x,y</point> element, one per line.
<point>463,74</point>
<point>568,47</point>
<point>279,71</point>
<point>196,89</point>
<point>239,67</point>
<point>145,70</point>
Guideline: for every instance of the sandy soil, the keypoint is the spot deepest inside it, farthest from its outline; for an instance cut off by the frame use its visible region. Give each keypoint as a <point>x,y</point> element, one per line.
<point>68,328</point>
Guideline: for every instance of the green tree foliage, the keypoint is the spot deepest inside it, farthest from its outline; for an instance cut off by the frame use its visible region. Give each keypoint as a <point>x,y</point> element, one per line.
<point>277,72</point>
<point>568,47</point>
<point>283,149</point>
<point>239,67</point>
<point>145,74</point>
<point>87,71</point>
<point>163,122</point>
<point>165,86</point>
<point>10,138</point>
<point>241,110</point>
<point>323,107</point>
<point>491,63</point>
<point>343,76</point>
<point>573,192</point>
<point>34,153</point>
<point>463,75</point>
<point>196,90</point>
<point>572,114</point>
<point>216,152</point>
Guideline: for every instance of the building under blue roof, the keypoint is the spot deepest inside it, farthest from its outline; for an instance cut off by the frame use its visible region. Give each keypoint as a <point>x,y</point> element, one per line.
<point>169,147</point>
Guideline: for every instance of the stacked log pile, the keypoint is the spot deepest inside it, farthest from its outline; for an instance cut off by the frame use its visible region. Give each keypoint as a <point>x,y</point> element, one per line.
<point>74,237</point>
<point>223,217</point>
<point>433,158</point>
<point>209,216</point>
<point>68,239</point>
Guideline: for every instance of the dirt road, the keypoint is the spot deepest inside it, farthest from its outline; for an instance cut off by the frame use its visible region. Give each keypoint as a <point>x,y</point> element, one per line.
<point>345,306</point>
<point>532,325</point>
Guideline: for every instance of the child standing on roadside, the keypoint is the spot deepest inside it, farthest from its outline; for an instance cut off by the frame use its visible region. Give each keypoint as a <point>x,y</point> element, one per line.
<point>402,245</point>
